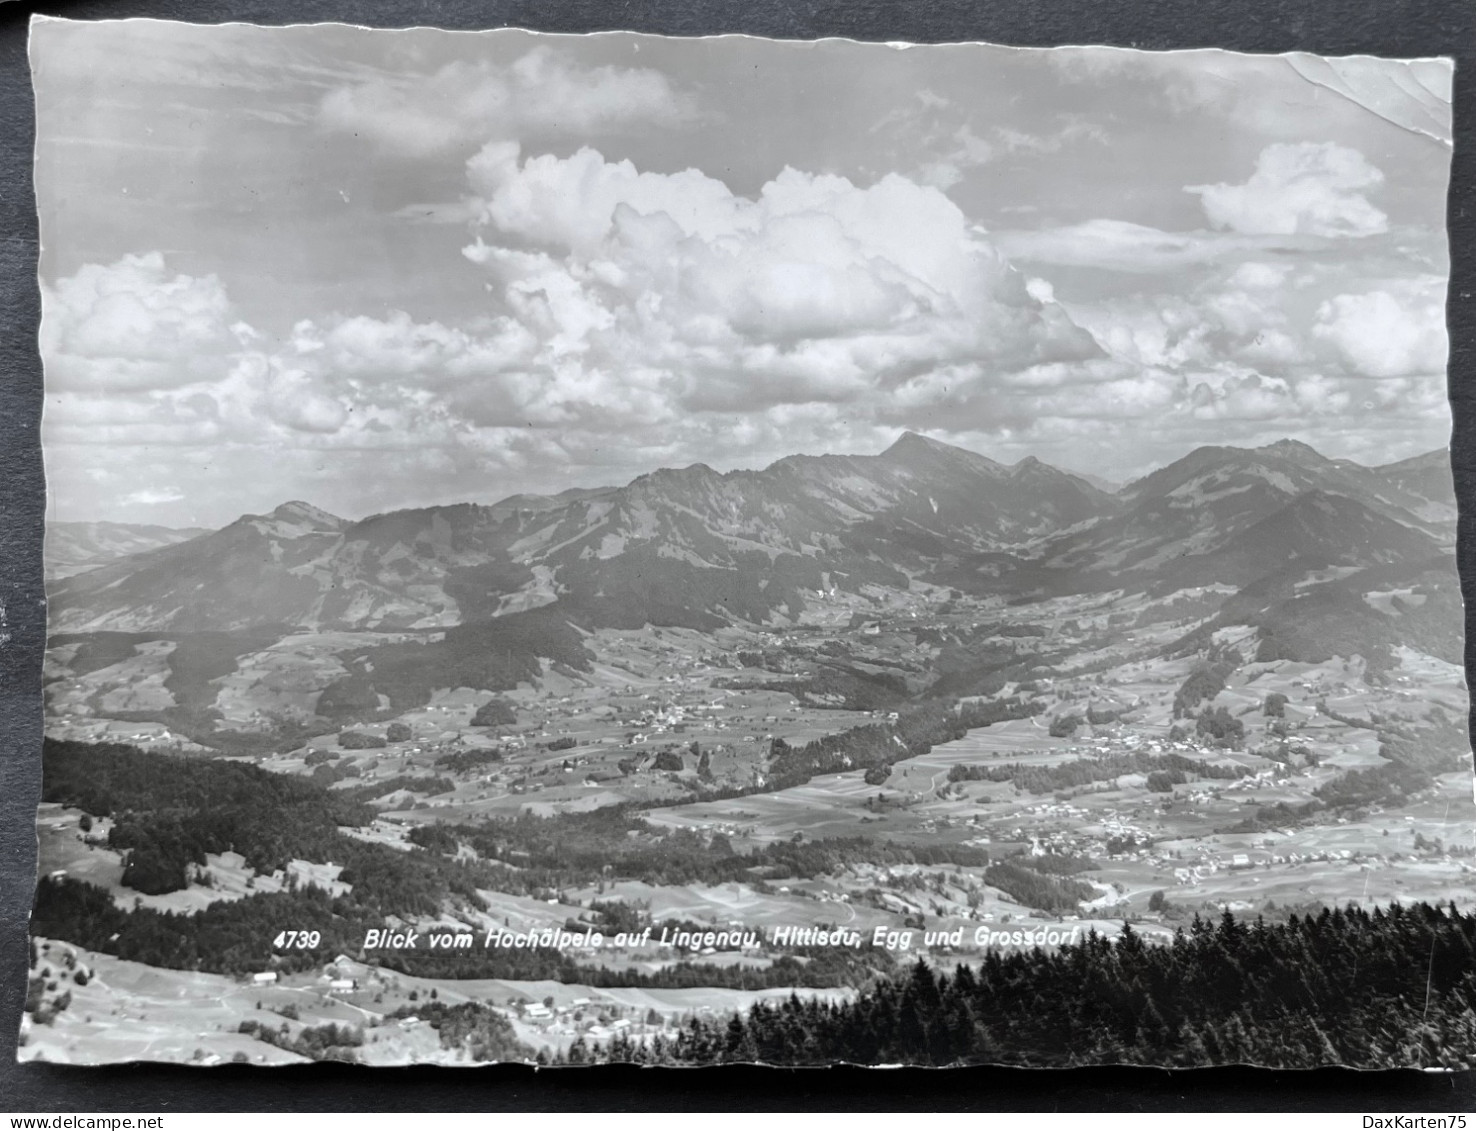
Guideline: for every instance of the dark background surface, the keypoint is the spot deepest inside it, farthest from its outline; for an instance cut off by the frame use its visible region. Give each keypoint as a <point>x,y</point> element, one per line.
<point>1400,28</point>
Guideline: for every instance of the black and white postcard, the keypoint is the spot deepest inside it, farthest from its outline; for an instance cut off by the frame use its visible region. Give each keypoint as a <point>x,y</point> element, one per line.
<point>576,549</point>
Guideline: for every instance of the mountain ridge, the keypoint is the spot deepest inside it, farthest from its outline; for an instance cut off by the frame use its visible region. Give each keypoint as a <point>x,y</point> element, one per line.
<point>703,545</point>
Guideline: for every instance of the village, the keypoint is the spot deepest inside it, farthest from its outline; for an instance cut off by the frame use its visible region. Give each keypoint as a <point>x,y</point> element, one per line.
<point>684,727</point>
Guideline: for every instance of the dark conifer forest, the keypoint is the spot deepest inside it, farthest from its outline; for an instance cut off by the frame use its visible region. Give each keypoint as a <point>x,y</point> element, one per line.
<point>1378,989</point>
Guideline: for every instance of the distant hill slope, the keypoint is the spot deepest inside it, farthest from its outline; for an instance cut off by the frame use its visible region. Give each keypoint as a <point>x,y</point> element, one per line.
<point>72,547</point>
<point>1418,491</point>
<point>1427,479</point>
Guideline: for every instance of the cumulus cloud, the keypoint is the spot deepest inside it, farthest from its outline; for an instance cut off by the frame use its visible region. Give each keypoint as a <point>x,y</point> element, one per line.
<point>1394,331</point>
<point>136,355</point>
<point>464,103</point>
<point>1242,315</point>
<point>134,325</point>
<point>608,318</point>
<point>1277,318</point>
<point>1251,345</point>
<point>663,307</point>
<point>635,319</point>
<point>569,203</point>
<point>670,292</point>
<point>294,397</point>
<point>1306,188</point>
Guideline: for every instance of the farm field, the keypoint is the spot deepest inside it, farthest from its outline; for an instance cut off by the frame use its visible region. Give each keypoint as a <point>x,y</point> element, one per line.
<point>128,1011</point>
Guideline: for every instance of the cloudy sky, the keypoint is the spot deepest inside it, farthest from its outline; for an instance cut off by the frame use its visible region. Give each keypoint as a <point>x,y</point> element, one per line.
<point>379,269</point>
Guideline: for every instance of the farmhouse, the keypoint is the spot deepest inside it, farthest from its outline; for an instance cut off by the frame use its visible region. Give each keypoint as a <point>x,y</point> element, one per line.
<point>603,776</point>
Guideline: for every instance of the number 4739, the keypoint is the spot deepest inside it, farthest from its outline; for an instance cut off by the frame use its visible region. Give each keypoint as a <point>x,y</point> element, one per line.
<point>297,940</point>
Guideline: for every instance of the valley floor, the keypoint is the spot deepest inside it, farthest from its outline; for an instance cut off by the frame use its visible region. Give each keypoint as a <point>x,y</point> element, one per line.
<point>1111,802</point>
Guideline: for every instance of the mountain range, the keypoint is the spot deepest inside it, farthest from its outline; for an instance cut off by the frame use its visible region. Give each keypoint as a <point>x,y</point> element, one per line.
<point>696,547</point>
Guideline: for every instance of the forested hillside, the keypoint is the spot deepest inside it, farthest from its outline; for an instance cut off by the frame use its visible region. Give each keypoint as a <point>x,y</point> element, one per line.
<point>1378,989</point>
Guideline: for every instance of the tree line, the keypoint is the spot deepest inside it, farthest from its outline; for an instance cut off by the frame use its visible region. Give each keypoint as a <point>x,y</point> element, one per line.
<point>1086,771</point>
<point>1368,989</point>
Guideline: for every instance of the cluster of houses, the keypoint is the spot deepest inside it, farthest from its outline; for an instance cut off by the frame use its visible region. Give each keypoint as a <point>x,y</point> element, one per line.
<point>72,727</point>
<point>339,978</point>
<point>594,1021</point>
<point>1240,861</point>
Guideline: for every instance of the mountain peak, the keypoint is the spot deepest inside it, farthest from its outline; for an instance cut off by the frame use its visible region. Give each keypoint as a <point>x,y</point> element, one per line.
<point>913,448</point>
<point>300,513</point>
<point>913,443</point>
<point>676,476</point>
<point>1294,450</point>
